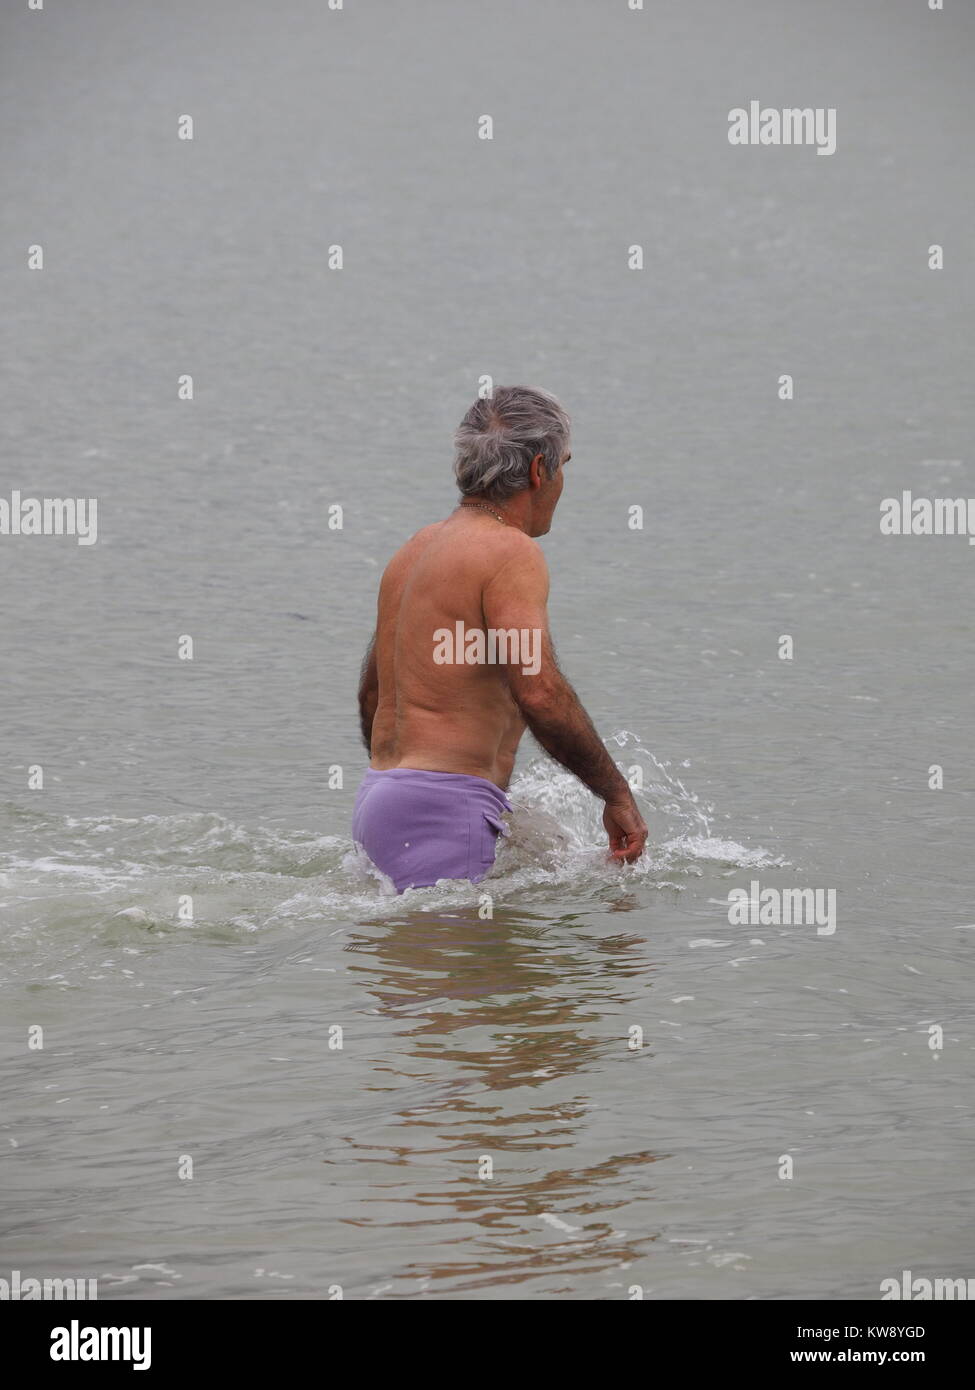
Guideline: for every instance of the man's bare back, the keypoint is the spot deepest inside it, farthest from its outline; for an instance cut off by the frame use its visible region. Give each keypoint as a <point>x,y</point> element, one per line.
<point>446,717</point>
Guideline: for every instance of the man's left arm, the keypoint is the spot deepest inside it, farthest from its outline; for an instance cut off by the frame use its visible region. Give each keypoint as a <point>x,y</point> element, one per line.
<point>368,693</point>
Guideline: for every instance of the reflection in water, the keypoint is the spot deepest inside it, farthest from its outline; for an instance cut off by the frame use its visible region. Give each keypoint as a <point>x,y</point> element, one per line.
<point>514,1022</point>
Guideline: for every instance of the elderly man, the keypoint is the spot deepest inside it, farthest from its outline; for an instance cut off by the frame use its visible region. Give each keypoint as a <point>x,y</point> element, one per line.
<point>461,661</point>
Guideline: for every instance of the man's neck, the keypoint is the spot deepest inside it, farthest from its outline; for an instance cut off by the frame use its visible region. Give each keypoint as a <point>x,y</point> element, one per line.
<point>516,510</point>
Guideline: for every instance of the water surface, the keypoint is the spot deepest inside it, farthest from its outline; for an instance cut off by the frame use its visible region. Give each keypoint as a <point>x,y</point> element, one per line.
<point>613,1167</point>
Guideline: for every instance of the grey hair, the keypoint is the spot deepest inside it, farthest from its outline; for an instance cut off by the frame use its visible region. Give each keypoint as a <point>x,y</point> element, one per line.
<point>501,434</point>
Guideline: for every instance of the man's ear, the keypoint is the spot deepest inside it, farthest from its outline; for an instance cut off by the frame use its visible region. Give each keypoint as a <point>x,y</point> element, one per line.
<point>536,471</point>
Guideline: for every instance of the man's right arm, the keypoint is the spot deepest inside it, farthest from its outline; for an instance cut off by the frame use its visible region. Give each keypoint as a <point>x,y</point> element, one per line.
<point>516,597</point>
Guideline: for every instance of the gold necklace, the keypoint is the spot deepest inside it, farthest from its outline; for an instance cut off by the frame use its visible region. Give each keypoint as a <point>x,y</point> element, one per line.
<point>480,506</point>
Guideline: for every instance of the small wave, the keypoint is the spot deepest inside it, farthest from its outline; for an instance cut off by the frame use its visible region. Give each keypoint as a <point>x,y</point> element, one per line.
<point>125,876</point>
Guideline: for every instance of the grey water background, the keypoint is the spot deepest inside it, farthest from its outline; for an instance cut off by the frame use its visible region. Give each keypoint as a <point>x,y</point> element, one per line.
<point>312,1166</point>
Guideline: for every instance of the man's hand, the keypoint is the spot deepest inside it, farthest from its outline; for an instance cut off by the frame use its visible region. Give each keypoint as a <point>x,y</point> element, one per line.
<point>625,828</point>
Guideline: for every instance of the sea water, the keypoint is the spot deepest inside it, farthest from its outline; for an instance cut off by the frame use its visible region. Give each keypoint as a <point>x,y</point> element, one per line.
<point>231,1063</point>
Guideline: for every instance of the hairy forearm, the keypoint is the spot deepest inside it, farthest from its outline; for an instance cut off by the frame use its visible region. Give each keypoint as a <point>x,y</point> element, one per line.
<point>558,721</point>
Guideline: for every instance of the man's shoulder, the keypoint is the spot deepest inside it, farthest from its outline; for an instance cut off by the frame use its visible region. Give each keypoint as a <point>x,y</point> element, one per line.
<point>425,533</point>
<point>503,548</point>
<point>417,542</point>
<point>518,546</point>
<point>514,560</point>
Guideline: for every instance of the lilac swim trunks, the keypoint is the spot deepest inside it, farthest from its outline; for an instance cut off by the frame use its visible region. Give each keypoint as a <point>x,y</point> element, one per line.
<point>419,826</point>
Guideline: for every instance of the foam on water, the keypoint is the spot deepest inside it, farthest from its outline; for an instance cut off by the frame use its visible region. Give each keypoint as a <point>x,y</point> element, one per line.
<point>122,876</point>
